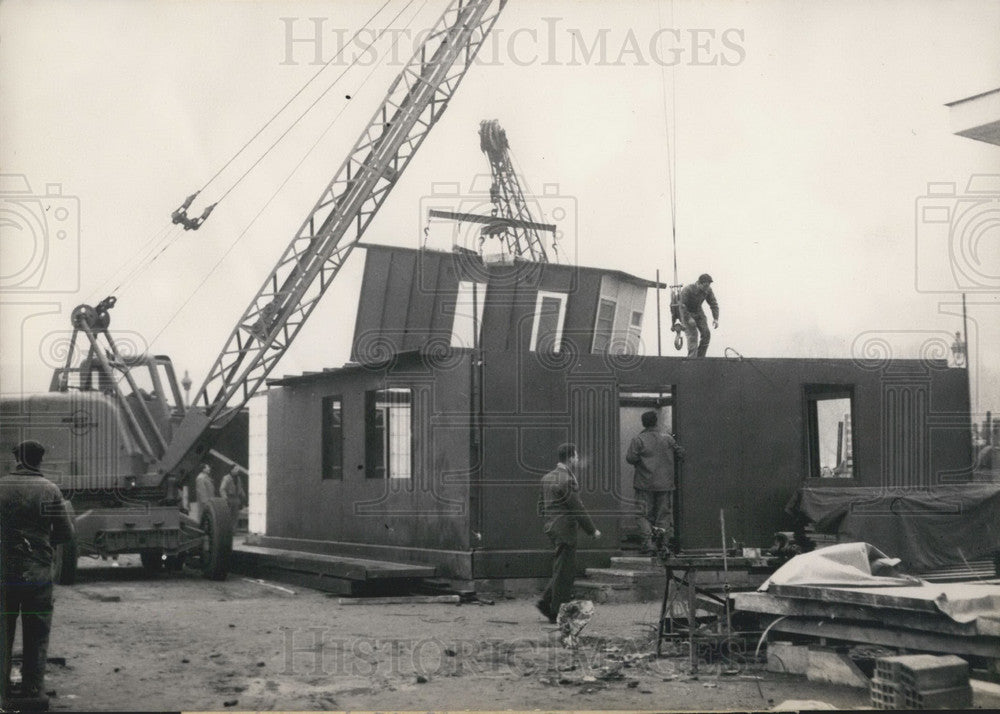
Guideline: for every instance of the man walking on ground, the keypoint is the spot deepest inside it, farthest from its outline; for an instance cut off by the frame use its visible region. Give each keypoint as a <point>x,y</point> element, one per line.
<point>33,518</point>
<point>652,453</point>
<point>564,512</point>
<point>693,317</point>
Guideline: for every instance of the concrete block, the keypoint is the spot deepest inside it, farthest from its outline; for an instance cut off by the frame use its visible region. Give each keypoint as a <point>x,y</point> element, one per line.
<point>829,665</point>
<point>950,698</point>
<point>884,695</point>
<point>924,672</point>
<point>786,657</point>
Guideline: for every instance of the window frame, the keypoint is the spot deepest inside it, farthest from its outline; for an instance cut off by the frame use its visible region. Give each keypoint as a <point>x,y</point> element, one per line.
<point>812,395</point>
<point>476,329</point>
<point>328,472</point>
<point>560,319</point>
<point>601,302</point>
<point>382,468</point>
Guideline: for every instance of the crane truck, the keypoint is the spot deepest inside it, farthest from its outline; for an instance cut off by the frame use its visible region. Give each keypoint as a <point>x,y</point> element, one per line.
<point>121,444</point>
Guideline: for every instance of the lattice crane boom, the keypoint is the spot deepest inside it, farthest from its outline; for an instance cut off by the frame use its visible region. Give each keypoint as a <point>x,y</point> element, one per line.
<point>520,237</point>
<point>414,103</point>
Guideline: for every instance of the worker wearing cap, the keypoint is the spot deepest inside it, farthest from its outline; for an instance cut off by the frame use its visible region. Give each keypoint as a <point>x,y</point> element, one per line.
<point>693,317</point>
<point>33,518</point>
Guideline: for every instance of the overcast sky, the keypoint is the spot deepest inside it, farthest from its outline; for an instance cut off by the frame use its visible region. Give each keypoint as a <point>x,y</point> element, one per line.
<point>804,135</point>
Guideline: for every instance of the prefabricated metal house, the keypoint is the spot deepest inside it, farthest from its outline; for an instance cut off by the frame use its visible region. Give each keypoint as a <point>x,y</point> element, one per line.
<point>466,375</point>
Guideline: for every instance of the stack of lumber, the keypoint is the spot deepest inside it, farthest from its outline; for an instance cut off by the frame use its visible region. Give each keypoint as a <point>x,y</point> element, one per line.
<point>945,618</point>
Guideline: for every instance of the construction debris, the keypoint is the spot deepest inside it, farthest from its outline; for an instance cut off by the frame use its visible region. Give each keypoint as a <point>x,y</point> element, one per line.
<point>573,617</point>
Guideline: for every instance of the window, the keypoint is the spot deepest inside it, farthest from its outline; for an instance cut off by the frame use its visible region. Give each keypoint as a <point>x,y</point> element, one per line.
<point>605,324</point>
<point>831,443</point>
<point>635,323</point>
<point>470,301</point>
<point>333,438</point>
<point>550,312</point>
<point>388,433</point>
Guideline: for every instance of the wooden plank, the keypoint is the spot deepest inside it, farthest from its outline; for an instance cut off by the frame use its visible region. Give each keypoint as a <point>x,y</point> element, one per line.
<point>716,562</point>
<point>331,565</point>
<point>874,635</point>
<point>919,598</point>
<point>337,586</point>
<point>402,600</point>
<point>767,604</point>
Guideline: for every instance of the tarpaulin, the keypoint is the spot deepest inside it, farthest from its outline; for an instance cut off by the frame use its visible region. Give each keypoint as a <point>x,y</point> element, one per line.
<point>926,528</point>
<point>848,564</point>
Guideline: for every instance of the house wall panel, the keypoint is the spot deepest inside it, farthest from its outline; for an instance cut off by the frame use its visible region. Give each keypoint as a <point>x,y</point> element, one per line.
<point>426,511</point>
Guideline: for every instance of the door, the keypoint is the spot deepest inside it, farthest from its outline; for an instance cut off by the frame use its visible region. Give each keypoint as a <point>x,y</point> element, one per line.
<point>631,406</point>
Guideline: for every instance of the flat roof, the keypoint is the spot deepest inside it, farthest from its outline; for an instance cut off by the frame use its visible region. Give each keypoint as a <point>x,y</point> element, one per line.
<point>566,266</point>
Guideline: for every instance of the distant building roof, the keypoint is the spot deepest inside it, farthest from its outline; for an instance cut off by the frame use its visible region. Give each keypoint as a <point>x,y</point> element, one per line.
<point>977,117</point>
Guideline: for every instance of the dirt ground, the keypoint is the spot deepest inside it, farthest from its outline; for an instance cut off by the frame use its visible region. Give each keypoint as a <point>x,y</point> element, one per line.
<point>178,641</point>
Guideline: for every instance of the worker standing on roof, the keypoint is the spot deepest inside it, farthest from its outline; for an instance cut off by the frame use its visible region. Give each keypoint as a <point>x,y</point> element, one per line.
<point>693,317</point>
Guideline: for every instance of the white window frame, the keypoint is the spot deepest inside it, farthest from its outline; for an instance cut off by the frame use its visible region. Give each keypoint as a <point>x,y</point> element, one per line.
<point>463,333</point>
<point>597,322</point>
<point>560,320</point>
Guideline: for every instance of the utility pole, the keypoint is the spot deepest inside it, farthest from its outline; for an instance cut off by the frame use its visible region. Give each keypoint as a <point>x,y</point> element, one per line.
<point>968,370</point>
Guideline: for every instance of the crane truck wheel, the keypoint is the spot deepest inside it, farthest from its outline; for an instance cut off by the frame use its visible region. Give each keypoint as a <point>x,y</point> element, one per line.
<point>217,543</point>
<point>64,562</point>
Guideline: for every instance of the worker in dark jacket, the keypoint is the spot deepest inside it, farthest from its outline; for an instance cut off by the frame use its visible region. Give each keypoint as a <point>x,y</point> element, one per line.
<point>231,489</point>
<point>652,453</point>
<point>564,513</point>
<point>693,317</point>
<point>33,518</point>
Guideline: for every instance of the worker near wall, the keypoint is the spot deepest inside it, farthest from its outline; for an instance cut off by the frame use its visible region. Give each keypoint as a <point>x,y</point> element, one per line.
<point>693,316</point>
<point>204,489</point>
<point>33,519</point>
<point>231,489</point>
<point>564,513</point>
<point>652,453</point>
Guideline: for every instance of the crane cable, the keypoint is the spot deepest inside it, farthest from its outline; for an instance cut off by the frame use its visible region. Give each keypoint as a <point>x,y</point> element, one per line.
<point>161,241</point>
<point>180,216</point>
<point>675,288</point>
<point>274,195</point>
<point>556,235</point>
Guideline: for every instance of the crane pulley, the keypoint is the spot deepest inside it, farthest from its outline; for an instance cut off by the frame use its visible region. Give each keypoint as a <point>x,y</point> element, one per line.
<point>180,216</point>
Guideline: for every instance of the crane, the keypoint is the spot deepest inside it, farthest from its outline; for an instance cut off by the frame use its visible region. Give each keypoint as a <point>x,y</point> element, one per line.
<point>521,238</point>
<point>510,219</point>
<point>162,442</point>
